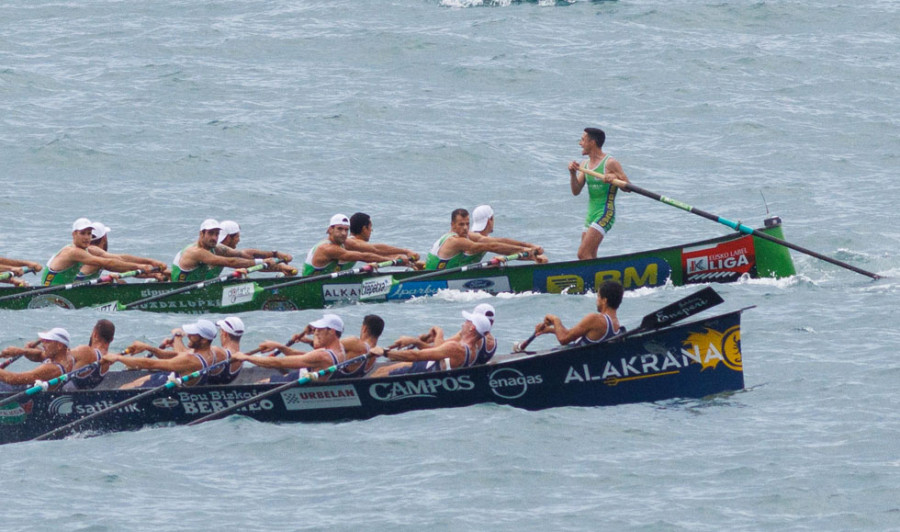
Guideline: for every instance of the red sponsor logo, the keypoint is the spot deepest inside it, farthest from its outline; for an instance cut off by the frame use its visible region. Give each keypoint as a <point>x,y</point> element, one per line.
<point>719,262</point>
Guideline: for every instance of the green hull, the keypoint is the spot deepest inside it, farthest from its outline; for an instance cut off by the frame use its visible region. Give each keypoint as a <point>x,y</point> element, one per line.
<point>724,259</point>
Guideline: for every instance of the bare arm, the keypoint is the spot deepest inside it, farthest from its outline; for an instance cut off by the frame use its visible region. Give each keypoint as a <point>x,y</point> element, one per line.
<point>329,252</point>
<point>312,360</point>
<point>44,372</point>
<point>553,325</point>
<point>576,178</point>
<point>181,364</point>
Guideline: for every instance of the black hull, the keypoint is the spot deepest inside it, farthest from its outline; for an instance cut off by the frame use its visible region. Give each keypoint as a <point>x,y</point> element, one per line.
<point>685,361</point>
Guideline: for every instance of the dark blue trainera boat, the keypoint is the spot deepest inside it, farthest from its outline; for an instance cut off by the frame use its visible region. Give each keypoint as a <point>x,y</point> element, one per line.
<point>690,360</point>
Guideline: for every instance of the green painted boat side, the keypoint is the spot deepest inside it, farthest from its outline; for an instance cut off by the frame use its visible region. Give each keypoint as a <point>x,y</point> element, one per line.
<point>722,259</point>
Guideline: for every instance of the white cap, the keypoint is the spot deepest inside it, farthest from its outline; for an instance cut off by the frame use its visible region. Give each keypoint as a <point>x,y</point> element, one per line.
<point>480,217</point>
<point>486,310</point>
<point>339,219</point>
<point>57,334</point>
<point>329,321</point>
<point>81,224</point>
<point>203,328</point>
<point>99,231</point>
<point>480,321</point>
<point>232,325</point>
<point>209,224</point>
<point>228,228</point>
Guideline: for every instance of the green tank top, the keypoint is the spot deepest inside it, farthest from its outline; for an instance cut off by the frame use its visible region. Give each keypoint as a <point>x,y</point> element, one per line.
<point>331,267</point>
<point>601,198</point>
<point>201,273</point>
<point>434,262</point>
<point>53,277</point>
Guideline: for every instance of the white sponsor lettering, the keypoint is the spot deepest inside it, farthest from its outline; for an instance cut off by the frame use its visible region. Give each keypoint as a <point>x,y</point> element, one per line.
<point>237,294</point>
<point>376,287</point>
<point>320,397</point>
<point>510,383</point>
<point>395,391</point>
<point>340,292</point>
<point>213,401</point>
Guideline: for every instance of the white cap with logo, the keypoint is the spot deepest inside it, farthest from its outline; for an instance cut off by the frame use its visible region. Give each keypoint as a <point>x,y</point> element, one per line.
<point>486,310</point>
<point>480,217</point>
<point>232,325</point>
<point>202,328</point>
<point>339,219</point>
<point>329,321</point>
<point>57,334</point>
<point>99,230</point>
<point>480,321</point>
<point>81,224</point>
<point>210,224</point>
<point>228,227</point>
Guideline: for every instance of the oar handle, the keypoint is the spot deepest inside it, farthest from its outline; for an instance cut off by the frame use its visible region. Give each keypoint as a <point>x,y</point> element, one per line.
<point>7,275</point>
<point>333,275</point>
<point>496,261</point>
<point>518,347</point>
<point>6,363</point>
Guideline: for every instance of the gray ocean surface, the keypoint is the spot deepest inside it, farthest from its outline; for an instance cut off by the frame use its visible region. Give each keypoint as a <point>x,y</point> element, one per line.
<point>151,116</point>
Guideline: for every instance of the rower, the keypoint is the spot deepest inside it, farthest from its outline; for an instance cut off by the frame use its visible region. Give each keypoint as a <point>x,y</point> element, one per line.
<point>230,235</point>
<point>456,249</point>
<point>354,346</point>
<point>198,357</point>
<point>232,329</point>
<point>100,239</point>
<point>332,254</point>
<point>63,267</point>
<point>448,354</point>
<point>480,231</point>
<point>486,348</point>
<point>56,360</point>
<point>15,266</point>
<point>92,355</point>
<point>205,258</point>
<point>360,239</point>
<point>327,351</point>
<point>593,328</point>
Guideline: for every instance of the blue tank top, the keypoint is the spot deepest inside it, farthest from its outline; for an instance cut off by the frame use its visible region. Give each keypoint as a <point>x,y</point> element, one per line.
<point>483,356</point>
<point>357,373</point>
<point>91,376</point>
<point>223,374</point>
<point>584,340</point>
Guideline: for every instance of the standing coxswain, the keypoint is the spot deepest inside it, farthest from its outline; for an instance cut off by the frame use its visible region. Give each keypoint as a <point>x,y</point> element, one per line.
<point>205,258</point>
<point>601,193</point>
<point>63,267</point>
<point>332,254</point>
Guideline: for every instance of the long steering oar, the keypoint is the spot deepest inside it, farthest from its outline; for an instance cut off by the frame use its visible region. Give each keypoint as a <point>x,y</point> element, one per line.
<point>173,382</point>
<point>683,308</point>
<point>6,275</point>
<point>382,286</point>
<point>258,397</point>
<point>59,287</point>
<point>737,226</point>
<point>196,286</point>
<point>368,268</point>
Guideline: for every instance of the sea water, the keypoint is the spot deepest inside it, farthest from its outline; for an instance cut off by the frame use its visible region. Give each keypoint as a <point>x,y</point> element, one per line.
<point>151,116</point>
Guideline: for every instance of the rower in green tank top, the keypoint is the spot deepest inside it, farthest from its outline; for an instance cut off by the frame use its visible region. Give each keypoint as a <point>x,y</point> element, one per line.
<point>100,242</point>
<point>601,194</point>
<point>456,248</point>
<point>64,266</point>
<point>330,255</point>
<point>206,258</point>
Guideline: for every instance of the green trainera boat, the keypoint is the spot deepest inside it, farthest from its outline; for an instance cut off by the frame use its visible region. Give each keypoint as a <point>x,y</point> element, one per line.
<point>724,259</point>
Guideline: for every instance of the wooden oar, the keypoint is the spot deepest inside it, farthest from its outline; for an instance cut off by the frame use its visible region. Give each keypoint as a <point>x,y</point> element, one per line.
<point>683,308</point>
<point>202,284</point>
<point>368,268</point>
<point>385,284</point>
<point>258,397</point>
<point>737,226</point>
<point>6,363</point>
<point>122,404</point>
<point>7,275</point>
<point>56,288</point>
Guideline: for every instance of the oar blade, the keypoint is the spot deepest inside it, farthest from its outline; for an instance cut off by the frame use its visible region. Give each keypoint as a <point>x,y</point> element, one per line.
<point>683,308</point>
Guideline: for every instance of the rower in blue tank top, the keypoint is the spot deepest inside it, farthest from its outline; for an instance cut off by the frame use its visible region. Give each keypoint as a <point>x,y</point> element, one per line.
<point>90,357</point>
<point>327,350</point>
<point>54,354</point>
<point>197,357</point>
<point>232,329</point>
<point>593,328</point>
